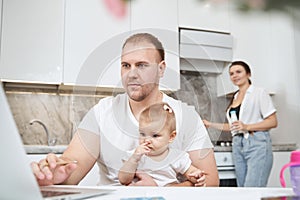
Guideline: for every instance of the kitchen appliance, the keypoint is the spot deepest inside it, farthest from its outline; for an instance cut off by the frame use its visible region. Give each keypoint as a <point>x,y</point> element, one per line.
<point>225,165</point>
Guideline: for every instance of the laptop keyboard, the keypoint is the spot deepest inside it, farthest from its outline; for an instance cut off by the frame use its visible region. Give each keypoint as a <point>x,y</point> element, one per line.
<point>56,193</point>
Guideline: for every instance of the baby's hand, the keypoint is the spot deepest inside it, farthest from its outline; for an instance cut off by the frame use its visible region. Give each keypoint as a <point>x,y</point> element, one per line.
<point>198,178</point>
<point>141,150</point>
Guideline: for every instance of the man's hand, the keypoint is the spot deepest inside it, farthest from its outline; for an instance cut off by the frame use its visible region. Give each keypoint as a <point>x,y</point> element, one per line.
<point>198,178</point>
<point>143,180</point>
<point>49,172</point>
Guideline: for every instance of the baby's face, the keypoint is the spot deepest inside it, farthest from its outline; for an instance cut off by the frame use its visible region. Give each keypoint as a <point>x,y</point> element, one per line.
<point>157,139</point>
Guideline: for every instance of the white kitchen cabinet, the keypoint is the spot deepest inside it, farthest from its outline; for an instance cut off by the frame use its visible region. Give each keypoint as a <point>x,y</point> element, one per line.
<point>161,19</point>
<point>91,179</point>
<point>93,40</point>
<point>280,159</point>
<point>204,15</point>
<point>32,40</point>
<point>0,22</point>
<point>256,43</point>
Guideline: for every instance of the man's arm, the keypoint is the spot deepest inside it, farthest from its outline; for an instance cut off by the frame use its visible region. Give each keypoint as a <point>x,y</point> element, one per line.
<point>204,159</point>
<point>144,180</point>
<point>84,149</point>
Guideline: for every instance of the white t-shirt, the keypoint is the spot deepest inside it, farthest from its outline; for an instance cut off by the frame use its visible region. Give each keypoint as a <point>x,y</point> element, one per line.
<point>117,128</point>
<point>255,107</point>
<point>164,172</point>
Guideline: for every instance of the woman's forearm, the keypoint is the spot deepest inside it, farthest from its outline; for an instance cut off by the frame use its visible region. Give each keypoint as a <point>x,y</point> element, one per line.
<point>219,126</point>
<point>266,124</point>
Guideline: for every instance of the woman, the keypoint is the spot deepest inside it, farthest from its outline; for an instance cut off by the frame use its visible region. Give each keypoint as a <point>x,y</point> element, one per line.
<point>251,142</point>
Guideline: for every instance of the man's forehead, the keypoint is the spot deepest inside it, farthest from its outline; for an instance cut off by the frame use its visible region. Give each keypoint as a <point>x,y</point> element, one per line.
<point>133,47</point>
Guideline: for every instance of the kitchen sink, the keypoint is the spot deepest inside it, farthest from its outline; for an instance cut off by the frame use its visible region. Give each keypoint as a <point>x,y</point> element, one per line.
<point>44,149</point>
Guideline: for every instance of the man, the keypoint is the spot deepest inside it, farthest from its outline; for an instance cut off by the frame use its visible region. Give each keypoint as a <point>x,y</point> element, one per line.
<point>110,128</point>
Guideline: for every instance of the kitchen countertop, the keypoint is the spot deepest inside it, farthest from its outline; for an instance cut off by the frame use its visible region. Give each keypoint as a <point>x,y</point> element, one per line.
<point>275,147</point>
<point>44,149</point>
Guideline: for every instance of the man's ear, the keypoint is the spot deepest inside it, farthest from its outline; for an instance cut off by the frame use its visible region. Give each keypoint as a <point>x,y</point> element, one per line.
<point>172,136</point>
<point>162,68</point>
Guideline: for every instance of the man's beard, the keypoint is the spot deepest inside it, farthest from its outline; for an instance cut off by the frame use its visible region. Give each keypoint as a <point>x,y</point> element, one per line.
<point>142,93</point>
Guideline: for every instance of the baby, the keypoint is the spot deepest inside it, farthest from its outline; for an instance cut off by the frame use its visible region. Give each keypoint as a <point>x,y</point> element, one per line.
<point>157,127</point>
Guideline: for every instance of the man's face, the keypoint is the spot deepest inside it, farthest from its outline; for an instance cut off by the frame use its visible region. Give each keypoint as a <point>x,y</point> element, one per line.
<point>141,69</point>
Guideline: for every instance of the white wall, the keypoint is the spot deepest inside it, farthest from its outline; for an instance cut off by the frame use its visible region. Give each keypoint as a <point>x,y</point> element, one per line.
<point>287,75</point>
<point>270,43</point>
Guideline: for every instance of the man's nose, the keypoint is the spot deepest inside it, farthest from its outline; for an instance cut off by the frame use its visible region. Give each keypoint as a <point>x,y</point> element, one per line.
<point>133,71</point>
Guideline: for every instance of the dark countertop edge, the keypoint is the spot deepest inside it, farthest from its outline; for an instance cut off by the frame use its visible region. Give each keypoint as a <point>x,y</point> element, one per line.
<point>275,148</point>
<point>42,149</point>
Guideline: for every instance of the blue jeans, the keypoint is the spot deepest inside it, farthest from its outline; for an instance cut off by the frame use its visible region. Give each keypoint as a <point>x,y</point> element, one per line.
<point>253,159</point>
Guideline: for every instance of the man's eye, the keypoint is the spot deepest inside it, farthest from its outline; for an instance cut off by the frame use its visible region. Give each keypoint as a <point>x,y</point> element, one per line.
<point>142,65</point>
<point>125,65</point>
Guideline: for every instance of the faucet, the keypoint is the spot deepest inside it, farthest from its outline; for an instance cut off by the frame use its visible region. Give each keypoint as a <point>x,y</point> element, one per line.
<point>50,142</point>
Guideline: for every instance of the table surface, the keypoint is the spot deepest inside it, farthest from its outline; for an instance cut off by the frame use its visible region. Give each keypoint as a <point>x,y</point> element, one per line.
<point>174,193</point>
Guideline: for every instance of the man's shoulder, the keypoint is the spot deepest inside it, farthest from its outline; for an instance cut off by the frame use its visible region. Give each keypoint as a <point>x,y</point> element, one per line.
<point>107,103</point>
<point>180,107</point>
<point>172,101</point>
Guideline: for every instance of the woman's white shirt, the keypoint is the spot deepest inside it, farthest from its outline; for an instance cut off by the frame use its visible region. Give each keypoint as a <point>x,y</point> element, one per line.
<point>255,107</point>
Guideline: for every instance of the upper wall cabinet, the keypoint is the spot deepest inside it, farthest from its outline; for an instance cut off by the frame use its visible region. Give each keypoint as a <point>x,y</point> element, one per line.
<point>160,18</point>
<point>0,21</point>
<point>94,38</point>
<point>93,42</point>
<point>32,40</point>
<point>204,15</point>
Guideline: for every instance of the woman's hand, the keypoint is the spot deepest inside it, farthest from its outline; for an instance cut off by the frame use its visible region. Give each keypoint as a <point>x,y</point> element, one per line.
<point>206,123</point>
<point>238,126</point>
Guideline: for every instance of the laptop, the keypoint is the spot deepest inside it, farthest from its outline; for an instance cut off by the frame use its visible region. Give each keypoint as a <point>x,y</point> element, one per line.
<point>17,179</point>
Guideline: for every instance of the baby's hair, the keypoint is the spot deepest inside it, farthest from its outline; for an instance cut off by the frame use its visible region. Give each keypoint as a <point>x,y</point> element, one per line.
<point>159,112</point>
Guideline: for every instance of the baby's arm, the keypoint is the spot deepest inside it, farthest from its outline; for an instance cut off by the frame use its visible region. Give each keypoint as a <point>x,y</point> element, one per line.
<point>196,176</point>
<point>127,171</point>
